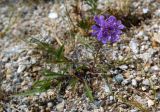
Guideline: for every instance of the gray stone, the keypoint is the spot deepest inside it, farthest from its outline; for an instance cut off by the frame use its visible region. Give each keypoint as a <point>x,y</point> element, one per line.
<point>60,106</point>
<point>146,82</point>
<point>125,82</point>
<point>119,78</point>
<point>158,96</point>
<point>50,104</point>
<point>134,46</point>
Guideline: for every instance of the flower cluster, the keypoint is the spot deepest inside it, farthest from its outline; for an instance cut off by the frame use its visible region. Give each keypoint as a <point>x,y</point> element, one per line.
<point>107,29</point>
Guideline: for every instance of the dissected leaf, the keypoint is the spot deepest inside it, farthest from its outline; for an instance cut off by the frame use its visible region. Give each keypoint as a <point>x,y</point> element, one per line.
<point>73,83</point>
<point>30,92</point>
<point>88,92</point>
<point>59,53</point>
<point>50,74</point>
<point>43,84</point>
<point>43,46</point>
<point>134,103</point>
<point>38,87</point>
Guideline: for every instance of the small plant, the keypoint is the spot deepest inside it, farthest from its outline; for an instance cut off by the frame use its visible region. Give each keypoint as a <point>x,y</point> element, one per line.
<point>107,29</point>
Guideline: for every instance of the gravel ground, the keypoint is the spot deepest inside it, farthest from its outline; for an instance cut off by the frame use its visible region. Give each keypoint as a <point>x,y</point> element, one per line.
<point>21,63</point>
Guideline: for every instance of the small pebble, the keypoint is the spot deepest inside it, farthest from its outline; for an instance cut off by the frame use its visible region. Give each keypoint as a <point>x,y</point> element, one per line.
<point>150,103</point>
<point>146,82</point>
<point>123,67</point>
<point>50,104</point>
<point>60,106</point>
<point>21,68</point>
<point>134,46</point>
<point>119,78</point>
<point>53,15</point>
<point>133,110</point>
<point>134,82</point>
<point>158,96</point>
<point>144,88</point>
<point>155,68</point>
<point>125,82</point>
<point>107,89</point>
<point>5,59</point>
<point>111,98</point>
<point>145,10</point>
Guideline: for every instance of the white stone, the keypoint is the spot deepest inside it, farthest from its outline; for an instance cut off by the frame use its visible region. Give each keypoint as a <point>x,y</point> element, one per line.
<point>134,82</point>
<point>145,10</point>
<point>21,68</point>
<point>140,34</point>
<point>50,104</point>
<point>106,89</point>
<point>53,15</point>
<point>5,59</point>
<point>111,98</point>
<point>144,88</point>
<point>134,46</point>
<point>150,103</point>
<point>123,67</point>
<point>146,38</point>
<point>155,68</point>
<point>156,37</point>
<point>157,12</point>
<point>133,110</point>
<point>33,61</point>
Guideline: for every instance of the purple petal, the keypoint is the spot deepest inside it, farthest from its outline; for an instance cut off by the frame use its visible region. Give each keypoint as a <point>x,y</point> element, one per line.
<point>95,27</point>
<point>104,40</point>
<point>118,32</point>
<point>97,20</point>
<point>100,35</point>
<point>111,19</point>
<point>115,38</point>
<point>102,21</point>
<point>94,33</point>
<point>121,26</point>
<point>109,38</point>
<point>119,22</point>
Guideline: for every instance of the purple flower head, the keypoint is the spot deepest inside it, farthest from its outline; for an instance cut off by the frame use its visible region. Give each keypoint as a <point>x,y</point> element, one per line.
<point>107,29</point>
